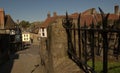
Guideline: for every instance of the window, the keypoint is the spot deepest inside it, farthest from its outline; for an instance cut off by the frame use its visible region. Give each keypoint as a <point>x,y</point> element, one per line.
<point>42,29</point>
<point>43,32</point>
<point>26,37</point>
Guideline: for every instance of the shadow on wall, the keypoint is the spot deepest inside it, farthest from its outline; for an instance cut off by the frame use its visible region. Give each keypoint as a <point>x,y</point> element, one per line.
<point>7,66</point>
<point>6,59</point>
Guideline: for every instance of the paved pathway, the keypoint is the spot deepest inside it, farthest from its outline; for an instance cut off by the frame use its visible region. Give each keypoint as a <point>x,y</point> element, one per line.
<point>25,61</point>
<point>28,61</point>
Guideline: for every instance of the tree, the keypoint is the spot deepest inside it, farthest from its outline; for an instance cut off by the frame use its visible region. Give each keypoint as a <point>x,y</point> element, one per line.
<point>24,24</point>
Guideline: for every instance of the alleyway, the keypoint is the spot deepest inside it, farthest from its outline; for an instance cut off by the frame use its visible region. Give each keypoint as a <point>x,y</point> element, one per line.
<point>25,61</point>
<point>29,61</point>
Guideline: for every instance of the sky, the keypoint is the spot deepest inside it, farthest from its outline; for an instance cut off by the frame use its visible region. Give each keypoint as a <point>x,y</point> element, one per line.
<point>36,10</point>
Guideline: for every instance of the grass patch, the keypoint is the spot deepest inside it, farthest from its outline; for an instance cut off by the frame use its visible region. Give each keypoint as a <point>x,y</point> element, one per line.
<point>113,67</point>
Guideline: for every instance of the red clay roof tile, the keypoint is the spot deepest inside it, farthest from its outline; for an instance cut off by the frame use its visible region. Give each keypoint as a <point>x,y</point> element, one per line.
<point>88,19</point>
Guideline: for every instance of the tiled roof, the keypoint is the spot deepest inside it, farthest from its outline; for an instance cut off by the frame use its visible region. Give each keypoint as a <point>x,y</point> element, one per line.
<point>6,20</point>
<point>88,19</point>
<point>9,23</point>
<point>49,21</point>
<point>89,11</point>
<point>113,17</point>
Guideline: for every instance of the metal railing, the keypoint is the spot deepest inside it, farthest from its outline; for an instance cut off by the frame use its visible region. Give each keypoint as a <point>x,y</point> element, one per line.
<point>85,43</point>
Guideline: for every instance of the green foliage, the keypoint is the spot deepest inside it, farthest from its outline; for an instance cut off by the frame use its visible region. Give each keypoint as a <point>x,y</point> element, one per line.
<point>24,24</point>
<point>113,67</point>
<point>35,26</point>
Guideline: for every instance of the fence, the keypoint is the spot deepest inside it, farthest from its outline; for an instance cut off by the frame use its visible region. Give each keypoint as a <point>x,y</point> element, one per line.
<point>87,43</point>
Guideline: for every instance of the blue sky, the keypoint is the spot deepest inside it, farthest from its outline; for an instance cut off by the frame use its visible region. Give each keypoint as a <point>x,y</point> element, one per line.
<point>36,10</point>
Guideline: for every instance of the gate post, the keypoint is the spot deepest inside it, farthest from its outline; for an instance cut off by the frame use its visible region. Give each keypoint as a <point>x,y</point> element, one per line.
<point>49,50</point>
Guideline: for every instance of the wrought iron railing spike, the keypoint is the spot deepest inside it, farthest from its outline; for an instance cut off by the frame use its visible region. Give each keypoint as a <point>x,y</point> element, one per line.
<point>86,37</point>
<point>67,22</point>
<point>79,16</point>
<point>101,11</point>
<point>66,15</point>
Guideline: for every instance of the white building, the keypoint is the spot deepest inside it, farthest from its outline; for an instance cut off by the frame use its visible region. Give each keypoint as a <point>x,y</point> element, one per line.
<point>25,37</point>
<point>42,32</point>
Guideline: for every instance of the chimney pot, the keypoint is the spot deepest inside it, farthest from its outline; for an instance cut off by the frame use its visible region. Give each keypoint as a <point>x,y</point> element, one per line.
<point>2,18</point>
<point>116,10</point>
<point>54,14</point>
<point>48,15</point>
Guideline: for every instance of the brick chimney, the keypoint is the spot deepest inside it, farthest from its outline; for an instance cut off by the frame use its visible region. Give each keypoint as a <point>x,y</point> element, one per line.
<point>54,14</point>
<point>116,9</point>
<point>48,15</point>
<point>2,18</point>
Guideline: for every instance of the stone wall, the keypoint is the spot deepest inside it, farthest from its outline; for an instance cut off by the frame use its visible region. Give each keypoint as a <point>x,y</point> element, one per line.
<point>54,47</point>
<point>58,40</point>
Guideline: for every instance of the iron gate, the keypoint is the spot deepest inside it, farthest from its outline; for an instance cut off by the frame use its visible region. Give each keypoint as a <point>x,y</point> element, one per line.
<point>85,43</point>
